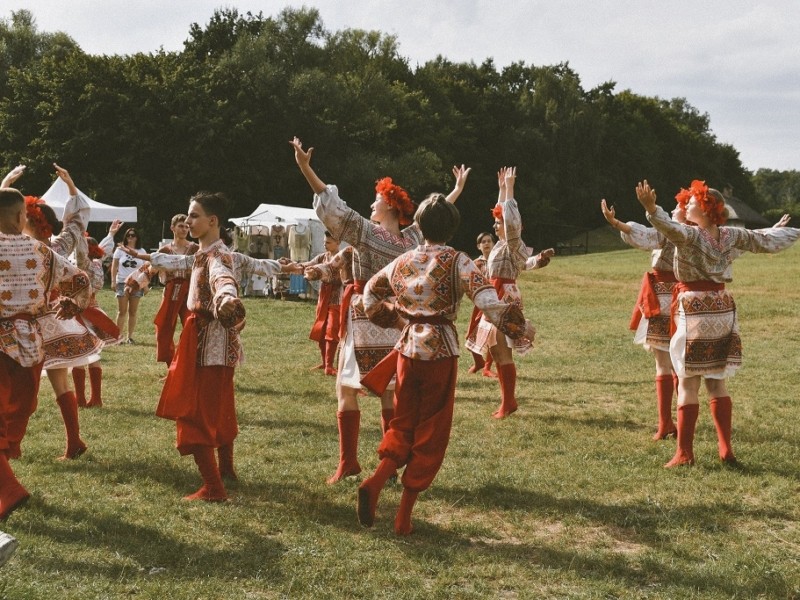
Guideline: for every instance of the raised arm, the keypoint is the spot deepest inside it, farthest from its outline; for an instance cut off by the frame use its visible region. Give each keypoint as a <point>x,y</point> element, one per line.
<point>12,176</point>
<point>610,214</point>
<point>460,173</point>
<point>303,160</point>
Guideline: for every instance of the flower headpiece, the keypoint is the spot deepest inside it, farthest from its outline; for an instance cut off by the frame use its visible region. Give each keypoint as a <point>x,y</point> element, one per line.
<point>398,198</point>
<point>36,216</point>
<point>95,251</point>
<point>713,205</point>
<point>497,212</point>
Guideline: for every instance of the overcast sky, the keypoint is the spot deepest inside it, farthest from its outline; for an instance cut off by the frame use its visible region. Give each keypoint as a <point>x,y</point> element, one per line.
<point>737,60</point>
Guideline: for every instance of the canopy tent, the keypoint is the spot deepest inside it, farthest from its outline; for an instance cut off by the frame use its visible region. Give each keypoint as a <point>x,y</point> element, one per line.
<point>58,194</point>
<point>267,215</point>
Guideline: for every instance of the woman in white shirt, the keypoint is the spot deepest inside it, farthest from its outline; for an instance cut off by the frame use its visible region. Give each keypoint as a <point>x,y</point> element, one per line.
<point>122,265</point>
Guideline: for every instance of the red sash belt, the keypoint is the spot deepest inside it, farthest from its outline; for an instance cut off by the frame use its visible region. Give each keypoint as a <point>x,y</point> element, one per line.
<point>378,379</point>
<point>498,283</point>
<point>647,303</point>
<point>177,397</point>
<point>19,317</point>
<point>355,287</point>
<point>95,316</point>
<point>318,329</point>
<point>689,286</point>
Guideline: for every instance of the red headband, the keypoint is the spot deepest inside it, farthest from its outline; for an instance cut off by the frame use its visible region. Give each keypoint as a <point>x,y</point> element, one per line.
<point>396,197</point>
<point>709,204</point>
<point>95,251</point>
<point>36,216</point>
<point>497,212</point>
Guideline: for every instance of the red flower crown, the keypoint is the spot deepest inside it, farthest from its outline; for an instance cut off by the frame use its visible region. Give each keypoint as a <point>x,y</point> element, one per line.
<point>398,198</point>
<point>712,206</point>
<point>497,212</point>
<point>95,251</point>
<point>36,216</point>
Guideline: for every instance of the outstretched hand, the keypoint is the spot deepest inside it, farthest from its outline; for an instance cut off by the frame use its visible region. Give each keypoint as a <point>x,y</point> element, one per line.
<point>115,226</point>
<point>13,175</point>
<point>461,173</point>
<point>301,157</point>
<point>608,212</point>
<point>783,221</point>
<point>646,196</point>
<point>64,175</point>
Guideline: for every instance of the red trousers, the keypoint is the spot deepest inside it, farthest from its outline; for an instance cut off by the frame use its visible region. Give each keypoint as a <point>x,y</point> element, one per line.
<point>19,391</point>
<point>173,305</point>
<point>423,415</point>
<point>212,420</point>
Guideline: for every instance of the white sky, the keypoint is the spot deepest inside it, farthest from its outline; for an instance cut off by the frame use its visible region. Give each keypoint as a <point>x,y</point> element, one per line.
<point>737,60</point>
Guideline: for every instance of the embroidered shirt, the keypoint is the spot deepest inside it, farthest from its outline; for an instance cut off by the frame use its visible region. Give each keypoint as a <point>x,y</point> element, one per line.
<point>428,283</point>
<point>508,256</point>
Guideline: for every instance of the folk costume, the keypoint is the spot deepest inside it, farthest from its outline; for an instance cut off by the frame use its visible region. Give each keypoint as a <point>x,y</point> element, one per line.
<point>423,286</point>
<point>506,261</point>
<point>198,391</point>
<point>88,257</point>
<point>479,362</point>
<point>706,341</point>
<point>363,344</point>
<point>651,314</point>
<point>31,273</point>
<point>173,304</point>
<point>327,319</point>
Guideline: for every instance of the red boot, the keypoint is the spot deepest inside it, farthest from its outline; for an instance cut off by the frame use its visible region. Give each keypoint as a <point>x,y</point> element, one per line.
<point>687,419</point>
<point>349,426</point>
<point>330,356</point>
<point>478,363</point>
<point>321,345</point>
<point>212,490</point>
<point>69,412</point>
<point>226,469</point>
<point>664,390</point>
<point>79,379</point>
<point>96,380</point>
<point>721,412</point>
<point>369,491</point>
<point>508,384</point>
<point>12,494</point>
<point>402,522</point>
<point>487,367</point>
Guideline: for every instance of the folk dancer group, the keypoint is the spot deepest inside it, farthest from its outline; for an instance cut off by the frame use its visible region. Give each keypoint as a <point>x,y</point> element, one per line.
<point>388,302</point>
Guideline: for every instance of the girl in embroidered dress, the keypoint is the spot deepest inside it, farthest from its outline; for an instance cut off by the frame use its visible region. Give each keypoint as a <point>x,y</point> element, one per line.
<point>485,243</point>
<point>506,260</point>
<point>419,294</point>
<point>376,242</point>
<point>66,343</point>
<point>88,257</point>
<point>706,342</point>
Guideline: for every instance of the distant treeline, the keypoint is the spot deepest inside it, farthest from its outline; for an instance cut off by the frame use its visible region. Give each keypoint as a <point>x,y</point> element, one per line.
<point>151,129</point>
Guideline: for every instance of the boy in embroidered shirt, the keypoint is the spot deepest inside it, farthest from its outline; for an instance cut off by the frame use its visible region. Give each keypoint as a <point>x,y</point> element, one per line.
<point>30,272</point>
<point>427,285</point>
<point>198,391</point>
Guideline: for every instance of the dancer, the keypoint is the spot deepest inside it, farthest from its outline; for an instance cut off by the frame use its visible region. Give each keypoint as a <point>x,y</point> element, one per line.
<point>66,343</point>
<point>376,242</point>
<point>198,391</point>
<point>419,293</point>
<point>651,314</point>
<point>325,330</point>
<point>88,257</point>
<point>176,290</point>
<point>706,342</point>
<point>123,264</point>
<point>506,260</point>
<point>31,274</point>
<point>485,243</point>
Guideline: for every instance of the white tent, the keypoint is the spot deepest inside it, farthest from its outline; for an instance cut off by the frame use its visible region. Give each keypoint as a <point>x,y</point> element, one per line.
<point>58,194</point>
<point>267,215</point>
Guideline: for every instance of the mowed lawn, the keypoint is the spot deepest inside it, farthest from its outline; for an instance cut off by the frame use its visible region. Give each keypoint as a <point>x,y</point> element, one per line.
<point>565,499</point>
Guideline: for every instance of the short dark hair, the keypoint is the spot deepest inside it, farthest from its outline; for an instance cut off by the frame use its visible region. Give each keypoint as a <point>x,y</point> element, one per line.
<point>10,197</point>
<point>482,235</point>
<point>214,204</point>
<point>437,218</point>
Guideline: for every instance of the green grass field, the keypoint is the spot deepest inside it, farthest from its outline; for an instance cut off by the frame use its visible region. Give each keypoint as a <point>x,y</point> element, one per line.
<point>565,499</point>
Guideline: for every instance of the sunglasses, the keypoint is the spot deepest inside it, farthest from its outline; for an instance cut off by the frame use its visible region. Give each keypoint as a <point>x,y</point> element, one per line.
<point>131,235</point>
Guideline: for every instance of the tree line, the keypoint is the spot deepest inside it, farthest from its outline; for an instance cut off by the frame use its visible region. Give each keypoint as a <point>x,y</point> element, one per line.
<point>151,129</point>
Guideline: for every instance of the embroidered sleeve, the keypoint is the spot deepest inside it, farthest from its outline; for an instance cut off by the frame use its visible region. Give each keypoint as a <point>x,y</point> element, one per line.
<point>376,294</point>
<point>172,262</point>
<point>139,279</point>
<point>678,234</point>
<point>223,284</point>
<point>642,238</point>
<point>76,218</point>
<point>107,244</point>
<point>74,286</point>
<point>770,240</point>
<point>249,266</point>
<point>344,223</point>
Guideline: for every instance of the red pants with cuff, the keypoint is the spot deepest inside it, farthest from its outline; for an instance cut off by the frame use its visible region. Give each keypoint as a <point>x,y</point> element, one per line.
<point>419,433</point>
<point>173,305</point>
<point>19,391</point>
